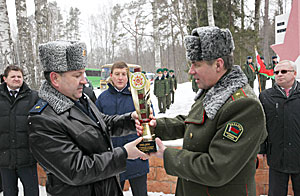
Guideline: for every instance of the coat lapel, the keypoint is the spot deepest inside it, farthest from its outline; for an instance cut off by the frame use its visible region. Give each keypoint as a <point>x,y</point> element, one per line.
<point>77,114</point>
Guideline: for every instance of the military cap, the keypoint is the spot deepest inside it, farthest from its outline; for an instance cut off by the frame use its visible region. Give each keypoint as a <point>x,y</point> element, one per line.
<point>171,71</point>
<point>249,57</point>
<point>143,72</point>
<point>165,69</point>
<point>208,43</point>
<point>62,56</point>
<point>159,70</point>
<point>262,58</point>
<point>274,57</point>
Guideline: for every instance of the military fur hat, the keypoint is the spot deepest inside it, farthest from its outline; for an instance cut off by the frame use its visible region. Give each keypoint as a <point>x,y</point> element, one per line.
<point>62,56</point>
<point>208,43</point>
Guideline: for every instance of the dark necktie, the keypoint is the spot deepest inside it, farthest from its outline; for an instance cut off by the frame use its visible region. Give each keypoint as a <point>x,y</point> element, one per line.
<point>13,95</point>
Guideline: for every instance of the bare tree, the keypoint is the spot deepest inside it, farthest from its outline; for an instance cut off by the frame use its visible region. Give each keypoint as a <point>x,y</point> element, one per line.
<point>156,37</point>
<point>256,16</point>
<point>210,13</point>
<point>134,21</point>
<point>6,44</point>
<point>26,55</point>
<point>41,19</point>
<point>266,32</point>
<point>55,23</point>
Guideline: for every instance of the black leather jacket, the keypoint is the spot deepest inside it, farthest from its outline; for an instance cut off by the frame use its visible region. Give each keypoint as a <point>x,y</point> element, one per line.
<point>76,151</point>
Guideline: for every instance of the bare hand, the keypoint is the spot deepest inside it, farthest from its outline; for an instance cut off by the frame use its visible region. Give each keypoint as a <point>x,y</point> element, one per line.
<point>133,152</point>
<point>161,149</point>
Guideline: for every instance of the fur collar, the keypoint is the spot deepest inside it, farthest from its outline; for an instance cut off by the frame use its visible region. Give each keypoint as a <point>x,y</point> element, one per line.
<point>59,102</point>
<point>217,95</point>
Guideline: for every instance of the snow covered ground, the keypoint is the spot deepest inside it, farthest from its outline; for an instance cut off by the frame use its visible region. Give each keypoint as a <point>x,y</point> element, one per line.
<point>184,98</point>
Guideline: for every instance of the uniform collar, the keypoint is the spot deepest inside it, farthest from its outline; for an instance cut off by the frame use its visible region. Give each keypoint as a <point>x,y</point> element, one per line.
<point>216,96</point>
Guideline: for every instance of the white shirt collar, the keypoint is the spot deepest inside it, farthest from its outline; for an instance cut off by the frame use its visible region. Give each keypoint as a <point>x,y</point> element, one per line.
<point>9,89</point>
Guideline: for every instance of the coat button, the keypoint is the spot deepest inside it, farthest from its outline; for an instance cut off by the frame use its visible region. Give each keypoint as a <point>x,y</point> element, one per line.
<point>108,148</point>
<point>191,135</point>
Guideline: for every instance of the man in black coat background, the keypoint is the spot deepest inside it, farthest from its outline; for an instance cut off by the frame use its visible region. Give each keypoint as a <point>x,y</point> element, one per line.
<point>16,99</point>
<point>282,105</point>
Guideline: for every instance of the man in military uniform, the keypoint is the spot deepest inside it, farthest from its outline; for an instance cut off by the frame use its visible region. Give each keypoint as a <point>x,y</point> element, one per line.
<point>173,85</point>
<point>272,66</point>
<point>250,71</point>
<point>160,90</point>
<point>261,78</point>
<point>224,128</point>
<point>168,89</point>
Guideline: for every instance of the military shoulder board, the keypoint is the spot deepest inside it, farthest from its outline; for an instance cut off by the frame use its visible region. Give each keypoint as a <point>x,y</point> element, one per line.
<point>39,107</point>
<point>240,93</point>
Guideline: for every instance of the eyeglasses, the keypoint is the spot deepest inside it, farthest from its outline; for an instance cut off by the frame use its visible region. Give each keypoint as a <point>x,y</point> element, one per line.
<point>283,71</point>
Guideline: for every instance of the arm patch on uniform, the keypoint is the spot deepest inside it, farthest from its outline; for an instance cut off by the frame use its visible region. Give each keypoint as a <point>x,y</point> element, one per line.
<point>233,131</point>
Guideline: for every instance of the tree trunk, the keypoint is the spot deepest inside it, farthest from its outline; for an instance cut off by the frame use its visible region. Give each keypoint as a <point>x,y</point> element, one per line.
<point>157,57</point>
<point>6,44</point>
<point>25,44</point>
<point>266,32</point>
<point>256,16</point>
<point>210,13</point>
<point>41,18</point>
<point>242,15</point>
<point>197,13</point>
<point>280,6</point>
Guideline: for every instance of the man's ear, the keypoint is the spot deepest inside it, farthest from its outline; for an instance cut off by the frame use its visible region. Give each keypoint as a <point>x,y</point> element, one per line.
<point>55,78</point>
<point>220,64</point>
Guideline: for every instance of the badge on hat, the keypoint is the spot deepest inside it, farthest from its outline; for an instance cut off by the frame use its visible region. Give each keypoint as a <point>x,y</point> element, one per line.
<point>233,131</point>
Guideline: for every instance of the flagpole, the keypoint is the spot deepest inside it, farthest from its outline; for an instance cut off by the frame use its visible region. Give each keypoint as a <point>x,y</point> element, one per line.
<point>258,76</point>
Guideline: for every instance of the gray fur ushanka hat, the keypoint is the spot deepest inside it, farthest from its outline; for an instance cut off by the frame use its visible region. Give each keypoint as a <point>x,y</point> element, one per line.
<point>208,43</point>
<point>62,56</point>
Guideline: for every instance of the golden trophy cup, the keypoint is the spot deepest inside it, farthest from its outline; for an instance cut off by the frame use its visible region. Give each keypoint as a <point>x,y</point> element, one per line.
<point>140,90</point>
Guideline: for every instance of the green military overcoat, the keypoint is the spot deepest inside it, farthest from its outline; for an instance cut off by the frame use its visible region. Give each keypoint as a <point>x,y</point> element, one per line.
<point>221,138</point>
<point>161,87</point>
<point>250,71</point>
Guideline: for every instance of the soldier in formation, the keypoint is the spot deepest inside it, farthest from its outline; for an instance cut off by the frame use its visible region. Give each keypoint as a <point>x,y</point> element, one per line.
<point>161,89</point>
<point>262,79</point>
<point>250,70</point>
<point>168,93</point>
<point>272,66</point>
<point>173,85</point>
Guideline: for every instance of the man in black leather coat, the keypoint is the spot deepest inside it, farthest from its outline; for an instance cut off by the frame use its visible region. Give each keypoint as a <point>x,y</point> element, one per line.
<point>69,136</point>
